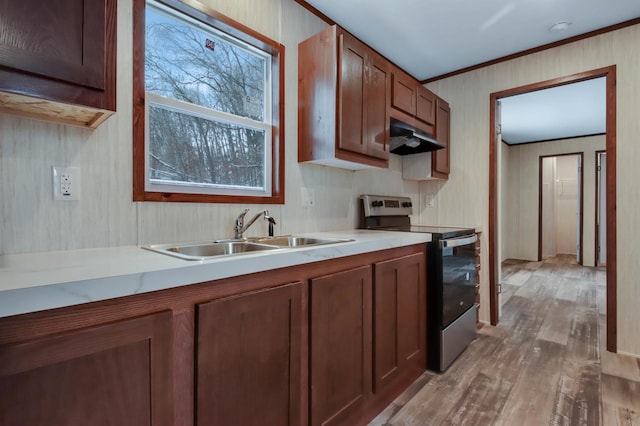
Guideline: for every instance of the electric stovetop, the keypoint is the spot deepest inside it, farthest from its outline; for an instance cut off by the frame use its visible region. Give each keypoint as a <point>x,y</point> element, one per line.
<point>439,232</point>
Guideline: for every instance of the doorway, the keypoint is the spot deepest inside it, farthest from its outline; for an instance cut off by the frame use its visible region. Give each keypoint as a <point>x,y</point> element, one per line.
<point>560,217</point>
<point>610,75</point>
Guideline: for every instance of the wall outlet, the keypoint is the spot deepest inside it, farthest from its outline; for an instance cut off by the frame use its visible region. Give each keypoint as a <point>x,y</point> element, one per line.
<point>429,198</point>
<point>308,197</point>
<point>66,183</point>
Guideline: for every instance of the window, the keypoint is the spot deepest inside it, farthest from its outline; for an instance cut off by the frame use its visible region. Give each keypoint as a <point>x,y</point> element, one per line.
<point>207,117</point>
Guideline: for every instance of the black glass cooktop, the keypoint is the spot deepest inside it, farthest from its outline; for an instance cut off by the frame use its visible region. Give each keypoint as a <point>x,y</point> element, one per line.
<point>438,232</point>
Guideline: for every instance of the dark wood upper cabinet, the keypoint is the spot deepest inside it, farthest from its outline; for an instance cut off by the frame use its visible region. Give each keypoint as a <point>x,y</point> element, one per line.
<point>344,90</point>
<point>440,158</point>
<point>435,164</point>
<point>404,92</point>
<point>412,102</point>
<point>425,105</point>
<point>58,60</point>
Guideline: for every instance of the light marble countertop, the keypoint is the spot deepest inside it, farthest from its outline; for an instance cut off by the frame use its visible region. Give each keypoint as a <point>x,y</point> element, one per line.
<point>38,281</point>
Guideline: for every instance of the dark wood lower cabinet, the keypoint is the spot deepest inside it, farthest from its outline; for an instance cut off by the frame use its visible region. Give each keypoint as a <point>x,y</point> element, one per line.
<point>113,374</point>
<point>399,319</point>
<point>248,359</point>
<point>340,346</point>
<point>325,343</point>
<point>367,338</point>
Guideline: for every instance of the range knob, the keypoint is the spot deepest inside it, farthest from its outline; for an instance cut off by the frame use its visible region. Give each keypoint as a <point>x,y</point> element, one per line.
<point>406,204</point>
<point>377,203</point>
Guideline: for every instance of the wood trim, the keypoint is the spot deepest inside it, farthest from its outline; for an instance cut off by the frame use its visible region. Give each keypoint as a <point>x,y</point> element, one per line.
<point>581,171</point>
<point>138,100</point>
<point>236,29</point>
<point>553,140</point>
<point>610,74</point>
<point>110,58</point>
<point>569,40</point>
<point>540,166</point>
<point>316,12</point>
<point>612,278</point>
<point>494,309</point>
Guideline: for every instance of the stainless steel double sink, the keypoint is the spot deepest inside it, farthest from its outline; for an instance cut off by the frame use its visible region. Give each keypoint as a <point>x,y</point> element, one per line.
<point>208,250</point>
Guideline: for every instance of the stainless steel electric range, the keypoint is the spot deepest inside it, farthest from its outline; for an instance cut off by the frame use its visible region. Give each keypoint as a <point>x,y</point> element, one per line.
<point>451,275</point>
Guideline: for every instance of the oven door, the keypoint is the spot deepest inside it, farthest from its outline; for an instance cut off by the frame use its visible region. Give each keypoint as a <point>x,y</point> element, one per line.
<point>458,276</point>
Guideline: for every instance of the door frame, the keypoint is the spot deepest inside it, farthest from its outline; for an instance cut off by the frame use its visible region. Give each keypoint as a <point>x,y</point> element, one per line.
<point>610,74</point>
<point>581,173</point>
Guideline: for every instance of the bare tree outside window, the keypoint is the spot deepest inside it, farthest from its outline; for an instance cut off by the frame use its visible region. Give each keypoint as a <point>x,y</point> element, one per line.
<point>207,99</point>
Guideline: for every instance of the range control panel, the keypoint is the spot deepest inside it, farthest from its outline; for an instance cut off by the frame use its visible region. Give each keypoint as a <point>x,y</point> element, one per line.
<point>380,205</point>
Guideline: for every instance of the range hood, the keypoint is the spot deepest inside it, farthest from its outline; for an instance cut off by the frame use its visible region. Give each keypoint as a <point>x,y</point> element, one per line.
<point>406,139</point>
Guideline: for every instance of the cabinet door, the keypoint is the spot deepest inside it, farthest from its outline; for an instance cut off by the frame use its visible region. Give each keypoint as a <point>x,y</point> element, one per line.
<point>114,374</point>
<point>425,105</point>
<point>399,323</point>
<point>378,92</point>
<point>403,93</point>
<point>340,345</point>
<point>351,95</point>
<point>248,358</point>
<point>63,39</point>
<point>63,51</point>
<point>440,158</point>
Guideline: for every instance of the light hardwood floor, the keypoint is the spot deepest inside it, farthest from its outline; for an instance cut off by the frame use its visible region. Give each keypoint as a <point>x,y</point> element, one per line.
<point>544,364</point>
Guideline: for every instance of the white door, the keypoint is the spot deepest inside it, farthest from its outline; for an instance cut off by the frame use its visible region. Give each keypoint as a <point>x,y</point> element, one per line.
<point>499,201</point>
<point>601,216</point>
<point>578,209</point>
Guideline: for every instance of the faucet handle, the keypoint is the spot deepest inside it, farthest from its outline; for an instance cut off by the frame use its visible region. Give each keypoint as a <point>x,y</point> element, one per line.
<point>240,220</point>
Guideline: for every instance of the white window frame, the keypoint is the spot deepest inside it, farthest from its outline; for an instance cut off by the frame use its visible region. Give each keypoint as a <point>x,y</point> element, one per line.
<point>172,104</point>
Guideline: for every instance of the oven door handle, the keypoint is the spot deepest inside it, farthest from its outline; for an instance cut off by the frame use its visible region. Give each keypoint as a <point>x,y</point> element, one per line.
<point>456,242</point>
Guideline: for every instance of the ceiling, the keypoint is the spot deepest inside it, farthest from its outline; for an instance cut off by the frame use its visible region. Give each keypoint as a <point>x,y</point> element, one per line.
<point>429,38</point>
<point>567,111</point>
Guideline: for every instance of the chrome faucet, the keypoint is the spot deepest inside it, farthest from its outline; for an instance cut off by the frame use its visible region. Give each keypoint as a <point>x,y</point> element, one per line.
<point>240,227</point>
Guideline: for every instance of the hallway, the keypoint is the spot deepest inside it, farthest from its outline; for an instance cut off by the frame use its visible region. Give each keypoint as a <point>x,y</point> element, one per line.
<point>545,364</point>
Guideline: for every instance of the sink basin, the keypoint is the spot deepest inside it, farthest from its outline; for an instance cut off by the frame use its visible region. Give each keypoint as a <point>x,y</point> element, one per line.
<point>293,241</point>
<point>202,251</point>
<point>207,250</point>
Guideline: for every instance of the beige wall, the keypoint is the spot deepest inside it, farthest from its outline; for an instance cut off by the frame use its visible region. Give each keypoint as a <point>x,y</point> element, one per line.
<point>106,216</point>
<point>508,204</point>
<point>522,177</point>
<point>468,95</point>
